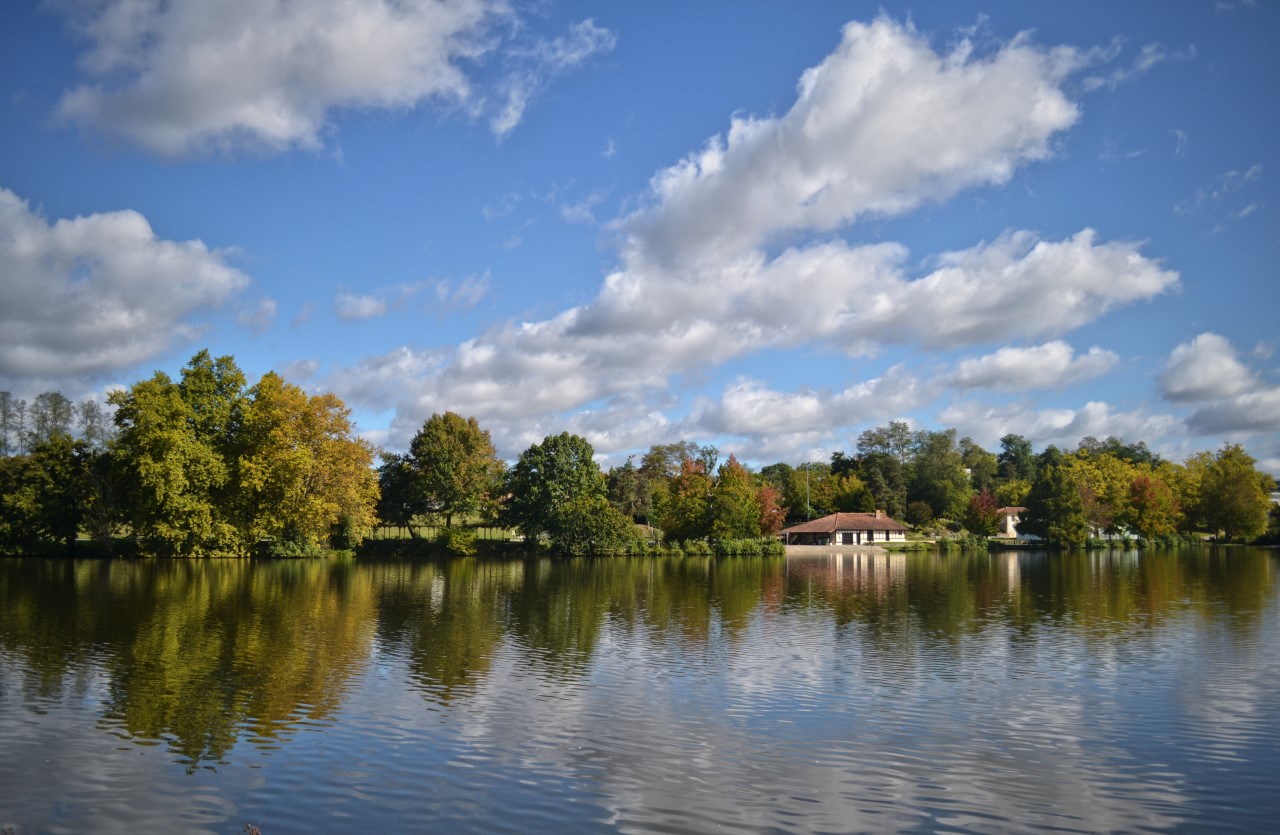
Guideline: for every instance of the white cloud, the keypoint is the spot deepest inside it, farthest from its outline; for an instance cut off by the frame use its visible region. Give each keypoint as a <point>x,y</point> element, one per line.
<point>987,423</point>
<point>351,307</point>
<point>543,62</point>
<point>1206,368</point>
<point>1254,411</point>
<point>1051,365</point>
<point>100,293</point>
<point>882,125</point>
<point>181,77</point>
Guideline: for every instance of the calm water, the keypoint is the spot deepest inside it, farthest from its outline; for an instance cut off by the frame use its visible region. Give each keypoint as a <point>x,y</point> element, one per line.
<point>929,693</point>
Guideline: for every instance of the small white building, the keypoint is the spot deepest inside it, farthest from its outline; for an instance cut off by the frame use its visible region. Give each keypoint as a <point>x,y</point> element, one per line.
<point>846,529</point>
<point>1009,518</point>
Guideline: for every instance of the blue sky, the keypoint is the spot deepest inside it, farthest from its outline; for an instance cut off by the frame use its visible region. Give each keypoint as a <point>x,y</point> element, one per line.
<point>738,223</point>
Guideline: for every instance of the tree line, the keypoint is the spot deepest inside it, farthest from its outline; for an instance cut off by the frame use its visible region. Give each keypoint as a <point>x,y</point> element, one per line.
<point>202,465</point>
<point>207,464</point>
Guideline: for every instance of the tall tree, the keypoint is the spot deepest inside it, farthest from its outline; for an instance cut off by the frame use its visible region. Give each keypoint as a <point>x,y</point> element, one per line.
<point>684,505</point>
<point>886,478</point>
<point>457,463</point>
<point>1152,510</point>
<point>303,470</point>
<point>938,474</point>
<point>95,427</point>
<point>51,415</point>
<point>10,430</point>
<point>1016,460</point>
<point>983,467</point>
<point>895,439</point>
<point>171,477</point>
<point>735,509</point>
<point>1054,508</point>
<point>1234,496</point>
<point>548,477</point>
<point>631,491</point>
<point>400,496</point>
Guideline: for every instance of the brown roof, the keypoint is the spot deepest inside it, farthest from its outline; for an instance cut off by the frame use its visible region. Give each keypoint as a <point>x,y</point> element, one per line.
<point>847,522</point>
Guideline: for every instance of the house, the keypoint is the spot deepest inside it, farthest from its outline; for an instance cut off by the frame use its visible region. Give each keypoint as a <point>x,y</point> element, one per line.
<point>846,529</point>
<point>1009,518</point>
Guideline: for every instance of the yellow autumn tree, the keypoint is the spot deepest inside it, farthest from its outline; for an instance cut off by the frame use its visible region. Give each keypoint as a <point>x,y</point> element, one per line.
<point>302,471</point>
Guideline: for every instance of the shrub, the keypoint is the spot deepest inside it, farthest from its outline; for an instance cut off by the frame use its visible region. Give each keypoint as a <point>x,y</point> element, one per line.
<point>460,542</point>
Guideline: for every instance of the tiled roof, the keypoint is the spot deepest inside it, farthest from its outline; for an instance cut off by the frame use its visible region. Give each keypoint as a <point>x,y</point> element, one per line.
<point>847,522</point>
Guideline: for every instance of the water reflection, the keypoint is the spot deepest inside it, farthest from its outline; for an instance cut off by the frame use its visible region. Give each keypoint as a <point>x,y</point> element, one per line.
<point>194,654</point>
<point>846,692</point>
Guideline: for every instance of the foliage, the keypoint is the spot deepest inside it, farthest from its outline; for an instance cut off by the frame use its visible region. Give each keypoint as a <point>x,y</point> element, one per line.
<point>982,516</point>
<point>302,471</point>
<point>938,474</point>
<point>1233,495</point>
<point>684,506</point>
<point>982,465</point>
<point>1013,493</point>
<point>456,464</point>
<point>886,477</point>
<point>735,510</point>
<point>547,477</point>
<point>772,514</point>
<point>589,525</point>
<point>631,490</point>
<point>919,513</point>
<point>893,440</point>
<point>461,542</point>
<point>1055,511</point>
<point>400,496</point>
<point>1152,511</point>
<point>1016,459</point>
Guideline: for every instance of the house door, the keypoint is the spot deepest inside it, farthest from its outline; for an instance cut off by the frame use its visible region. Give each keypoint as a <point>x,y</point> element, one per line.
<point>846,538</point>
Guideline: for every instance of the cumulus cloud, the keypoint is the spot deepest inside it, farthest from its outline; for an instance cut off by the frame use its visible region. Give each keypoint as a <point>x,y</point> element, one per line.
<point>183,77</point>
<point>1255,411</point>
<point>1206,368</point>
<point>99,294</point>
<point>882,125</point>
<point>986,423</point>
<point>1051,365</point>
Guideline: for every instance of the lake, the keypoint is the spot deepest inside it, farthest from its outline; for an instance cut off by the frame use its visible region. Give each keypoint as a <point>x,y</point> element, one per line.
<point>883,693</point>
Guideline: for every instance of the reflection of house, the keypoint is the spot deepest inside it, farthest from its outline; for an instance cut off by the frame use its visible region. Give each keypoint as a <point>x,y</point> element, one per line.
<point>846,529</point>
<point>1009,518</point>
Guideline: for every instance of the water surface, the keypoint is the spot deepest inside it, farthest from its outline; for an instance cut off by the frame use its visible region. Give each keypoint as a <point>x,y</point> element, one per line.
<point>1010,692</point>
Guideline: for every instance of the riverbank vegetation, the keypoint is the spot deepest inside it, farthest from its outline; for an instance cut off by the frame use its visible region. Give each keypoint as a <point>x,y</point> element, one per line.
<point>208,465</point>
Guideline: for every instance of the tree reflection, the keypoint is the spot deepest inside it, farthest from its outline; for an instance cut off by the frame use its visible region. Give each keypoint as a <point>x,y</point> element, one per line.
<point>195,654</point>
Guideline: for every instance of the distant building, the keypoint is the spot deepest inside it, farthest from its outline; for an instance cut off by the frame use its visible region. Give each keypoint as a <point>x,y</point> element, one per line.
<point>846,529</point>
<point>1009,518</point>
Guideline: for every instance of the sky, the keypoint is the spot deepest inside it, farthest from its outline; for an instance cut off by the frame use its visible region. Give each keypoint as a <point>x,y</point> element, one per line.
<point>762,225</point>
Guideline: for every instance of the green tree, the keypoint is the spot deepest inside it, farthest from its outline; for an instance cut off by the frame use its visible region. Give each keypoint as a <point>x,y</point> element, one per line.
<point>895,439</point>
<point>886,478</point>
<point>457,463</point>
<point>735,508</point>
<point>1016,459</point>
<point>982,465</point>
<point>631,491</point>
<point>1055,511</point>
<point>172,479</point>
<point>400,496</point>
<point>1233,495</point>
<point>938,474</point>
<point>51,415</point>
<point>546,479</point>
<point>589,525</point>
<point>684,505</point>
